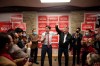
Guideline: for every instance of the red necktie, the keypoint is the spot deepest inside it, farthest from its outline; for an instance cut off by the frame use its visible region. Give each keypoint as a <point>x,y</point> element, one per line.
<point>48,40</point>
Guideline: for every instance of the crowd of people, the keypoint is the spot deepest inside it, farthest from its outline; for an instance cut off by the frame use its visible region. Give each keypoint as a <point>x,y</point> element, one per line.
<point>17,48</point>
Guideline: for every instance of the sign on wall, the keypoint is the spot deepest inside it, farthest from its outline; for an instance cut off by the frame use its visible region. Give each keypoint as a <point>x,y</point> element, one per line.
<point>17,18</point>
<point>52,20</point>
<point>90,20</point>
<point>5,26</point>
<point>85,26</point>
<point>12,20</point>
<point>90,17</point>
<point>19,25</point>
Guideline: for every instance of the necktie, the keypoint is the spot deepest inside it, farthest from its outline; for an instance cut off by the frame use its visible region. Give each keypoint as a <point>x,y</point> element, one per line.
<point>48,39</point>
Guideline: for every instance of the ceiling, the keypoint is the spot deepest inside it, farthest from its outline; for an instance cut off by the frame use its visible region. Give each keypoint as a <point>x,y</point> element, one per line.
<point>36,5</point>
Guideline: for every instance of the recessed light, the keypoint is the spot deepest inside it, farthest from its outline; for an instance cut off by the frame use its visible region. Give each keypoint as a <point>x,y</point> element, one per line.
<point>54,1</point>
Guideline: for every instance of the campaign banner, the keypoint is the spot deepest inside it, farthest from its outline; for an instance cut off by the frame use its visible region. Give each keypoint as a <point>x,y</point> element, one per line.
<point>40,31</point>
<point>55,45</point>
<point>17,18</point>
<point>63,24</point>
<point>42,25</point>
<point>19,25</point>
<point>5,26</point>
<point>90,17</point>
<point>55,39</point>
<point>63,18</point>
<point>52,24</point>
<point>85,26</point>
<point>53,29</point>
<point>39,45</point>
<point>42,18</point>
<point>53,18</point>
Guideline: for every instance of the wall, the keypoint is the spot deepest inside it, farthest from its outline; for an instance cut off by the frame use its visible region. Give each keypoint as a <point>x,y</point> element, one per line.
<point>30,19</point>
<point>76,17</point>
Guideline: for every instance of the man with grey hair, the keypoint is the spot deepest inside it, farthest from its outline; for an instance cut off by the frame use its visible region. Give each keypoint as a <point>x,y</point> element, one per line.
<point>65,39</point>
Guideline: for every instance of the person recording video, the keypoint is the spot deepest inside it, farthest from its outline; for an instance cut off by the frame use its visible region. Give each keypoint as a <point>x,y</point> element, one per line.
<point>76,44</point>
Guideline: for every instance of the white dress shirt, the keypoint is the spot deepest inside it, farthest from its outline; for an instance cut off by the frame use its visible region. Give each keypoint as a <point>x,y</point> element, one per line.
<point>65,38</point>
<point>50,37</point>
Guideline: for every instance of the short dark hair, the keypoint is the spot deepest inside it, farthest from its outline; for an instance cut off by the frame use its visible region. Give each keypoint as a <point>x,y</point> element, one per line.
<point>48,26</point>
<point>18,30</point>
<point>78,28</point>
<point>3,40</point>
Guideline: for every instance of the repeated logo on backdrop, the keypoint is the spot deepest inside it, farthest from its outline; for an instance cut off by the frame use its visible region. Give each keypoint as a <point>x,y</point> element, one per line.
<point>5,26</point>
<point>16,21</point>
<point>89,21</point>
<point>52,21</point>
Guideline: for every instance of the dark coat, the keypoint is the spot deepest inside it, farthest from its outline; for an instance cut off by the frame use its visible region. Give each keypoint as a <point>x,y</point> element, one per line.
<point>61,39</point>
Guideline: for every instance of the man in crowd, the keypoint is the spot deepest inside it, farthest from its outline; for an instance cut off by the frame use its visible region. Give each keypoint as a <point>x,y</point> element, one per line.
<point>87,45</point>
<point>34,47</point>
<point>19,31</point>
<point>6,43</point>
<point>97,40</point>
<point>65,39</point>
<point>76,43</point>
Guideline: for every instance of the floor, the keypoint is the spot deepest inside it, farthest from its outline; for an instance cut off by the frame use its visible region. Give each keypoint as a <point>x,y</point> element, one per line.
<point>54,59</point>
<point>54,62</point>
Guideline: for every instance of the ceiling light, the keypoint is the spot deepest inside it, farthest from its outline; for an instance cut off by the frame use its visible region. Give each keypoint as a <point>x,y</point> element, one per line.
<point>54,1</point>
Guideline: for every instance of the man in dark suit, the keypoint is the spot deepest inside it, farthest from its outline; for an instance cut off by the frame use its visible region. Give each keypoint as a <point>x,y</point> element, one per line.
<point>19,31</point>
<point>64,40</point>
<point>76,43</point>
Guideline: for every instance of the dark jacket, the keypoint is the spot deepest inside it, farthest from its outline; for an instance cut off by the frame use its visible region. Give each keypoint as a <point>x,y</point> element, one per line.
<point>76,42</point>
<point>61,39</point>
<point>20,43</point>
<point>97,46</point>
